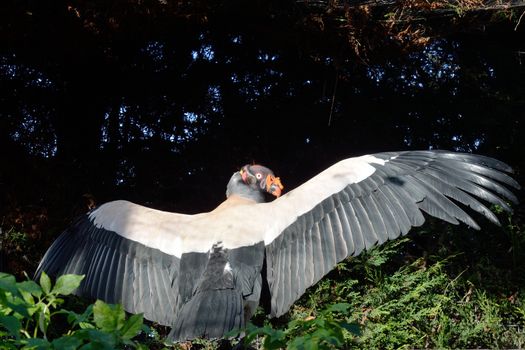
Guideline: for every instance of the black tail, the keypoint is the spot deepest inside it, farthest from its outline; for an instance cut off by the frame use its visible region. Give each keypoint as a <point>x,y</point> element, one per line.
<point>209,314</point>
<point>216,304</point>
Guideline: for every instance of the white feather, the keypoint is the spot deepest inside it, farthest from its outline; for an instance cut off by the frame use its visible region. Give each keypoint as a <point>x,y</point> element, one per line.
<point>305,197</point>
<point>237,225</point>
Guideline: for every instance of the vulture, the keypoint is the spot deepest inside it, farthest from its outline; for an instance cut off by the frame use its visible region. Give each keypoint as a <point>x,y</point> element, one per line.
<point>205,274</point>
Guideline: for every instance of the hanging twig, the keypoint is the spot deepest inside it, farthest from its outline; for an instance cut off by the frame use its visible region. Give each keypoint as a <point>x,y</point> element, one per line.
<point>519,21</point>
<point>333,99</point>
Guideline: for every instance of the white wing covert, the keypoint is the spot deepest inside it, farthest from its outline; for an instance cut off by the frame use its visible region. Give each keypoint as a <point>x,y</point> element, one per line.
<point>116,269</point>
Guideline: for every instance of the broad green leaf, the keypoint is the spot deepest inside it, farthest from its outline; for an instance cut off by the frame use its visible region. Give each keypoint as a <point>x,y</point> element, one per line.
<point>75,319</point>
<point>12,324</point>
<point>131,327</point>
<point>16,304</point>
<point>67,342</point>
<point>274,339</point>
<point>30,287</point>
<point>340,307</point>
<point>45,282</point>
<point>109,318</point>
<point>36,344</point>
<point>328,336</point>
<point>97,339</point>
<point>303,343</point>
<point>27,297</point>
<point>66,284</point>
<point>8,283</point>
<point>81,320</point>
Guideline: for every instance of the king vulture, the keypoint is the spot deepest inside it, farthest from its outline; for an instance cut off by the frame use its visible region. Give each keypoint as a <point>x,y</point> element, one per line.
<point>204,274</point>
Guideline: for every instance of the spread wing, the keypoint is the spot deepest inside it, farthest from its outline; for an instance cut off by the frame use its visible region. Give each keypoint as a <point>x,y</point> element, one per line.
<point>362,202</point>
<point>157,263</point>
<point>120,261</point>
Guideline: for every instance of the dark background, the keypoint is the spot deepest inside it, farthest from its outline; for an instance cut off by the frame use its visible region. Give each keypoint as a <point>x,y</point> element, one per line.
<point>159,102</point>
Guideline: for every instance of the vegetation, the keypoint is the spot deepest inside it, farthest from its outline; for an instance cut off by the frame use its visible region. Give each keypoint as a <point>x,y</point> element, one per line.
<point>465,293</point>
<point>32,317</point>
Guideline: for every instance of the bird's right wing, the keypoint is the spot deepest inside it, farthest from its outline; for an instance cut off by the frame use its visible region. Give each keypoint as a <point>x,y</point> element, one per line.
<point>364,201</point>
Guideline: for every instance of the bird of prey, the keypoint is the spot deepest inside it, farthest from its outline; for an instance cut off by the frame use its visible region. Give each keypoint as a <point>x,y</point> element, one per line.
<point>205,274</point>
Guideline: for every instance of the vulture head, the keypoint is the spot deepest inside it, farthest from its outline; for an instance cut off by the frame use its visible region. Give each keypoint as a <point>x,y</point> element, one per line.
<point>253,181</point>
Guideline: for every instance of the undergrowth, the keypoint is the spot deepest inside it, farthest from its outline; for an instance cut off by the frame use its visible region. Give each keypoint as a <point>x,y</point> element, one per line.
<point>32,316</point>
<point>458,288</point>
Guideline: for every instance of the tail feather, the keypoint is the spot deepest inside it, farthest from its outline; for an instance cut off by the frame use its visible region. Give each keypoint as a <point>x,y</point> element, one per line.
<point>223,296</point>
<point>209,314</point>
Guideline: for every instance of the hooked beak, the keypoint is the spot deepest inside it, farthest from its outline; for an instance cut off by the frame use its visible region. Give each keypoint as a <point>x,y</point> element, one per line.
<point>244,175</point>
<point>273,185</point>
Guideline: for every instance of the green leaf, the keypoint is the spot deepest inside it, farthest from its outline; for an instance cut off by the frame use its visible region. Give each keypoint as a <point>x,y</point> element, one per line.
<point>340,307</point>
<point>12,324</point>
<point>274,338</point>
<point>109,318</point>
<point>132,326</point>
<point>77,319</point>
<point>16,304</point>
<point>8,283</point>
<point>30,287</point>
<point>27,297</point>
<point>36,344</point>
<point>303,343</point>
<point>67,342</point>
<point>44,317</point>
<point>97,339</point>
<point>66,284</point>
<point>86,325</point>
<point>54,301</point>
<point>45,282</point>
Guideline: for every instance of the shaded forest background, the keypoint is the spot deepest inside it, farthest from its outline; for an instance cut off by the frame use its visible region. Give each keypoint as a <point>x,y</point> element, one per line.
<point>159,102</point>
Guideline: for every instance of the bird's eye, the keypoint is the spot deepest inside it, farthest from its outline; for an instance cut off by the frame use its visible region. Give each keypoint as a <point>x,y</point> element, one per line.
<point>258,176</point>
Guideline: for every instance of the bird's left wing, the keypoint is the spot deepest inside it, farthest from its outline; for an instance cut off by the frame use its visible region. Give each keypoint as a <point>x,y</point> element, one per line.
<point>364,201</point>
<point>130,254</point>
